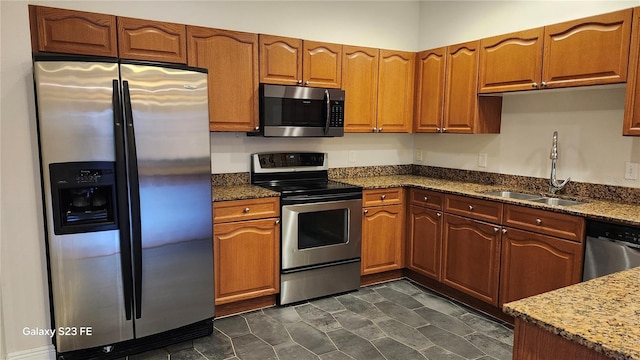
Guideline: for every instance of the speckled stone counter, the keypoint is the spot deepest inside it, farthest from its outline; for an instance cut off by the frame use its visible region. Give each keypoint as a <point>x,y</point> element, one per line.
<point>602,314</point>
<point>241,192</point>
<point>593,209</point>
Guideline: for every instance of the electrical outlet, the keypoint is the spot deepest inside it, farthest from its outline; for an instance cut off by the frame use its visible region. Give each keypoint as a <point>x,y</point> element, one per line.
<point>631,171</point>
<point>352,156</point>
<point>418,155</point>
<point>482,159</point>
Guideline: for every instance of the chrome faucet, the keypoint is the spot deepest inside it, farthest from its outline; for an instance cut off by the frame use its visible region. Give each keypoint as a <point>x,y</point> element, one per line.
<point>554,186</point>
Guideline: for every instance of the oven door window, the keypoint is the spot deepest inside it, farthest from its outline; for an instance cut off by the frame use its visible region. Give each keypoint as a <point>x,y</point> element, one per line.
<point>294,112</point>
<point>323,228</point>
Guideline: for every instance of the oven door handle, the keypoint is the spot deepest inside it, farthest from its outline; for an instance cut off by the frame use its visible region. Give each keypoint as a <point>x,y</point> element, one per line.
<point>305,199</point>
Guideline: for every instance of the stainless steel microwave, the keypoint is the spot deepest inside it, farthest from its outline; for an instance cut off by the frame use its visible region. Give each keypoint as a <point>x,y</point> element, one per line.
<point>299,111</point>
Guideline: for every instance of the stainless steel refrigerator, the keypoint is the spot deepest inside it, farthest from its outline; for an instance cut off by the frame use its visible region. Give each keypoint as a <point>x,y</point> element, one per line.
<point>126,177</point>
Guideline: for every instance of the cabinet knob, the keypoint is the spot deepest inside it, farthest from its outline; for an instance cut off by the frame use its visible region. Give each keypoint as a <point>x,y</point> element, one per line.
<point>439,214</point>
<point>299,82</point>
<point>374,129</point>
<point>246,210</point>
<point>544,84</point>
<point>444,129</point>
<point>306,82</point>
<point>534,85</point>
<point>382,197</point>
<point>437,129</point>
<point>470,207</point>
<point>366,211</point>
<point>257,128</point>
<point>539,221</point>
<point>277,222</point>
<point>426,198</point>
<point>504,231</point>
<point>496,230</point>
<point>379,129</point>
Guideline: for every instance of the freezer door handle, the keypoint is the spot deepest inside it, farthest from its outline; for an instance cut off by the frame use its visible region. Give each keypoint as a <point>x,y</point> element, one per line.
<point>134,196</point>
<point>123,206</point>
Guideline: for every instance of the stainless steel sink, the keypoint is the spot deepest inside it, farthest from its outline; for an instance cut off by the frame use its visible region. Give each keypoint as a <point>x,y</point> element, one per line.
<point>513,195</point>
<point>557,201</point>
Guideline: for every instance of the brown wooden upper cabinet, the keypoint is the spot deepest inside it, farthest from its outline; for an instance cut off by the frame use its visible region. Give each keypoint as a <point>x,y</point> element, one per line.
<point>632,108</point>
<point>140,39</point>
<point>360,82</point>
<point>72,32</point>
<point>232,60</point>
<point>429,101</point>
<point>395,91</point>
<point>464,110</point>
<point>588,51</point>
<point>289,61</point>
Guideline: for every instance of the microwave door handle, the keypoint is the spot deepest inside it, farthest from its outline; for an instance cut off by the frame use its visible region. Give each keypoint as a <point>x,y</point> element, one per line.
<point>328,98</point>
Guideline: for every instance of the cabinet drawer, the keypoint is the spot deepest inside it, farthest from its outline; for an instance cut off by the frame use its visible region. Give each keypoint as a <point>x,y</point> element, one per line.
<point>545,222</point>
<point>426,198</point>
<point>474,208</point>
<point>377,197</point>
<point>236,210</point>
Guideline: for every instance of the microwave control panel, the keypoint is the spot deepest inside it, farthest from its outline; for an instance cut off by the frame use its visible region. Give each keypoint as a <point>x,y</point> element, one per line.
<point>337,114</point>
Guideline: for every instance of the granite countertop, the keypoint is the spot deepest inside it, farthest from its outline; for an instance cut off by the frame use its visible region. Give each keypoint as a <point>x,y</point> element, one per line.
<point>241,192</point>
<point>602,314</point>
<point>593,209</point>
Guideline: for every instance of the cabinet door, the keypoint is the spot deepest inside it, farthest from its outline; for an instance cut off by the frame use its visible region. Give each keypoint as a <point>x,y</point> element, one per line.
<point>534,263</point>
<point>140,39</point>
<point>74,32</point>
<point>280,60</point>
<point>460,101</point>
<point>429,100</point>
<point>395,91</point>
<point>511,62</point>
<point>425,231</point>
<point>246,259</point>
<point>588,51</point>
<point>382,238</point>
<point>322,64</point>
<point>471,257</point>
<point>632,108</point>
<point>232,60</point>
<point>360,82</point>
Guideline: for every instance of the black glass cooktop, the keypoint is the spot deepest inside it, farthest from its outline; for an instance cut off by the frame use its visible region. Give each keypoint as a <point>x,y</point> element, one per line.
<point>309,187</point>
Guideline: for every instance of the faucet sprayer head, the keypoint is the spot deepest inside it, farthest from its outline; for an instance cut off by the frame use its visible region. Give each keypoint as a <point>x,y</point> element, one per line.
<point>554,147</point>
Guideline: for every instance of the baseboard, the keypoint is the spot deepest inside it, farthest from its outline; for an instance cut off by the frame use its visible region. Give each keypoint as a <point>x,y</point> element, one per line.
<point>40,353</point>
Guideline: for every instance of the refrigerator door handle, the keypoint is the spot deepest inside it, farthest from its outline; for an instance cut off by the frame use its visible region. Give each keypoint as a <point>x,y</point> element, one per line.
<point>123,206</point>
<point>134,196</point>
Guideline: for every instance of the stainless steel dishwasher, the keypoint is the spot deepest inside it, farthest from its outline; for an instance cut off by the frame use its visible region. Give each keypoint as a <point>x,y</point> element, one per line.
<point>610,248</point>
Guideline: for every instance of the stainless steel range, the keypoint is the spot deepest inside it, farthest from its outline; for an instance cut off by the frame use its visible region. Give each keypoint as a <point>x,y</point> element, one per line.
<point>321,224</point>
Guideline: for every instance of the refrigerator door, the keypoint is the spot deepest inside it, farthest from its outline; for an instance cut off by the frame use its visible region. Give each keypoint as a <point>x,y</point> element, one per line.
<point>76,126</point>
<point>166,111</point>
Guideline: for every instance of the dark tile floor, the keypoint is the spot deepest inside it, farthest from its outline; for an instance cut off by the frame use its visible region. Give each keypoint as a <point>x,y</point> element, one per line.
<point>393,320</point>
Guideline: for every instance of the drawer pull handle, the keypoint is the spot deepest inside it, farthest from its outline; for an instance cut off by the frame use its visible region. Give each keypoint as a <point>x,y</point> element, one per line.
<point>426,198</point>
<point>470,207</point>
<point>504,231</point>
<point>246,210</point>
<point>277,222</point>
<point>382,197</point>
<point>539,221</point>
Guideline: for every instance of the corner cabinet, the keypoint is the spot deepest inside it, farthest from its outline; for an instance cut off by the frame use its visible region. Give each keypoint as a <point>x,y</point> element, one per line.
<point>395,91</point>
<point>72,32</point>
<point>232,60</point>
<point>588,51</point>
<point>382,230</point>
<point>246,249</point>
<point>140,39</point>
<point>360,82</point>
<point>632,108</point>
<point>290,61</point>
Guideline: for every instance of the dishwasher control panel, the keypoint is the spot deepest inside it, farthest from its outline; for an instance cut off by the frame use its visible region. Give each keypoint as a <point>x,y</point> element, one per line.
<point>617,232</point>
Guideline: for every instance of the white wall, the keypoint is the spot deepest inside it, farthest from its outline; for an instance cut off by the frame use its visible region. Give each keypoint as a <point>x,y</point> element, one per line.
<point>589,120</point>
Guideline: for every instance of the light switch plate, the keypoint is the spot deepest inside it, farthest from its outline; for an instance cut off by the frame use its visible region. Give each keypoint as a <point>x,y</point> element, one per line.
<point>631,171</point>
<point>482,159</point>
<point>418,155</point>
<point>352,156</point>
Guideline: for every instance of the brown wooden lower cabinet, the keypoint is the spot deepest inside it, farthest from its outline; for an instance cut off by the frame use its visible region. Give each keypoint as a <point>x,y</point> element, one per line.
<point>471,257</point>
<point>382,238</point>
<point>425,241</point>
<point>246,259</point>
<point>533,263</point>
